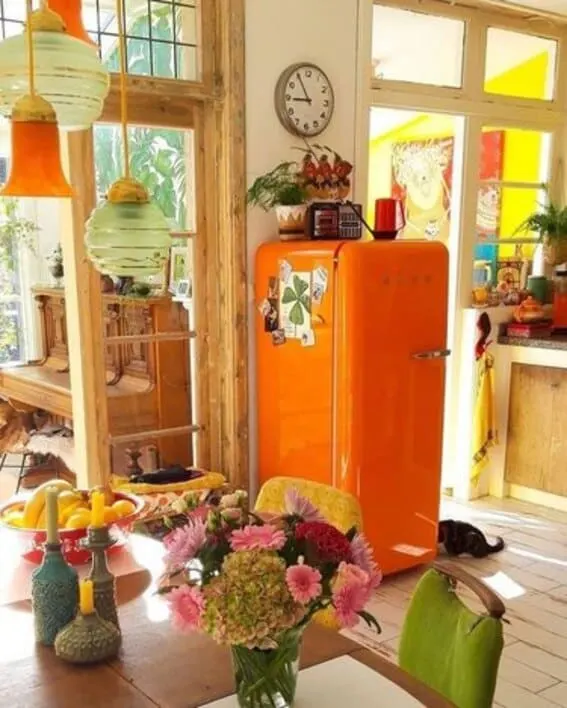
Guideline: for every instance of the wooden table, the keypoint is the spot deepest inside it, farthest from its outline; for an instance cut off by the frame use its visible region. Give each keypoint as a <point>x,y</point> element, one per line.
<point>157,666</point>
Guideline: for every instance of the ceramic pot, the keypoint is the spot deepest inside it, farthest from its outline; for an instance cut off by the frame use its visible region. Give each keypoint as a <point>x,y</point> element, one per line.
<point>554,251</point>
<point>291,221</point>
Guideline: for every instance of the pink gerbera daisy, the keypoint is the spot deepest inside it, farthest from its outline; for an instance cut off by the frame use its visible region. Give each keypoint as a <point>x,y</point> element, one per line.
<point>349,600</point>
<point>263,538</point>
<point>187,607</point>
<point>296,505</point>
<point>183,544</point>
<point>362,556</point>
<point>304,583</point>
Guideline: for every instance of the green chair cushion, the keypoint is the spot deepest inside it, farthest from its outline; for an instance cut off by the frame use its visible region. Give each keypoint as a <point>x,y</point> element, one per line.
<point>450,648</point>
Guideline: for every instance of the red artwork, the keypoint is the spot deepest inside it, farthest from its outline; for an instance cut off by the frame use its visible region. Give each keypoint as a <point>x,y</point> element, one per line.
<point>422,172</point>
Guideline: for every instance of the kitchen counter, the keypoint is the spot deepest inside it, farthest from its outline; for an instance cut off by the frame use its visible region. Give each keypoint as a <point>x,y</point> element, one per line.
<point>557,341</point>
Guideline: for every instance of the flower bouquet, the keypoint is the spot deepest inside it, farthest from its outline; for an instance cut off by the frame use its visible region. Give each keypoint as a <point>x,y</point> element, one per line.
<point>324,173</point>
<point>254,584</point>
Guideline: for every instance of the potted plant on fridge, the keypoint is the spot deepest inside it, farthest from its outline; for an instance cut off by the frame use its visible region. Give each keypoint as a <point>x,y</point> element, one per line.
<point>282,189</point>
<point>550,222</point>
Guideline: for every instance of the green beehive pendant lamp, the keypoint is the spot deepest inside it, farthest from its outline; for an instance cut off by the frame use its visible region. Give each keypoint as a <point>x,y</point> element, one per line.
<point>127,235</point>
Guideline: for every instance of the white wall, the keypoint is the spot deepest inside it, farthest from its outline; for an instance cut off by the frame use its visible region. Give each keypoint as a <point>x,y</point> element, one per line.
<point>279,34</point>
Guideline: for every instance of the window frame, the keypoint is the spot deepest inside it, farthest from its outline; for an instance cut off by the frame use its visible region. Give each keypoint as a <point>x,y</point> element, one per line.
<point>214,109</point>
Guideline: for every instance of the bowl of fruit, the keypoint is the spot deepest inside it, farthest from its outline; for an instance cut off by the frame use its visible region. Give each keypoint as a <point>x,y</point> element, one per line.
<point>26,518</point>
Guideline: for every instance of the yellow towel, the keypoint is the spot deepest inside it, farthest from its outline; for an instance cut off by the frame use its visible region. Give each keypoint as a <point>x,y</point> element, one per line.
<point>484,422</point>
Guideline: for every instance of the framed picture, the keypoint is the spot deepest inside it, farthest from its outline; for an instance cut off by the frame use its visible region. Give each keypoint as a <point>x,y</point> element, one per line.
<point>184,290</point>
<point>178,267</point>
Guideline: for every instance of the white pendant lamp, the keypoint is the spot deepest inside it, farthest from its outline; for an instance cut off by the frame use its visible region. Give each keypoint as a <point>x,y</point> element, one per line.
<point>127,235</point>
<point>69,73</point>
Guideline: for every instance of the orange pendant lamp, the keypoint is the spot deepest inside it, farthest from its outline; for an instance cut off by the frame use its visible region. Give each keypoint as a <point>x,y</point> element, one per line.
<point>70,11</point>
<point>35,158</point>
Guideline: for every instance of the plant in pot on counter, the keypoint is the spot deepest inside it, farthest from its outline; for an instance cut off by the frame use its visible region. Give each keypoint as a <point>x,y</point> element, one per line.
<point>550,222</point>
<point>282,189</point>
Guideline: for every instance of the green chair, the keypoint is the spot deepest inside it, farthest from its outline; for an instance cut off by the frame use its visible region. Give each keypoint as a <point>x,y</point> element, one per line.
<point>446,645</point>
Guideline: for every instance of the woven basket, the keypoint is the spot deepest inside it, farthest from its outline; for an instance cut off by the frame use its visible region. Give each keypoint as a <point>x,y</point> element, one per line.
<point>554,250</point>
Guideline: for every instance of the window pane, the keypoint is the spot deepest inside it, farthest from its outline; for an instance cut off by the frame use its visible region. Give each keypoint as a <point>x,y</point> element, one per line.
<point>160,158</point>
<point>520,65</point>
<point>397,34</point>
<point>11,324</point>
<point>514,155</point>
<point>160,35</point>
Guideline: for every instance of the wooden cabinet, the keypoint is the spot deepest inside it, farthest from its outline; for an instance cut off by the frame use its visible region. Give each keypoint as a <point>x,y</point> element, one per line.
<point>536,453</point>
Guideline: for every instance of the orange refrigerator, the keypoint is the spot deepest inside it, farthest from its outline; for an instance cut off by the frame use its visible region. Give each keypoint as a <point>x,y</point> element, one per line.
<point>351,354</point>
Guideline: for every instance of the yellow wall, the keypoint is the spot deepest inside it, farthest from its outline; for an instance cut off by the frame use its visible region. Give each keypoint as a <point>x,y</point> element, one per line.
<point>522,149</point>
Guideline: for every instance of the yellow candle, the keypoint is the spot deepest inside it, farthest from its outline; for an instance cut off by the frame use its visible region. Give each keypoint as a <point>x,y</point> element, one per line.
<point>51,513</point>
<point>97,509</point>
<point>86,597</point>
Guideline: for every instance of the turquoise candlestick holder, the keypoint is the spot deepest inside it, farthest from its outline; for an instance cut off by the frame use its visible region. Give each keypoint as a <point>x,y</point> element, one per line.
<point>55,594</point>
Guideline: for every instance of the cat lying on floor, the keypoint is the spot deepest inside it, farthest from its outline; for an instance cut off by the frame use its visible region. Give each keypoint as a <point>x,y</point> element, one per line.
<point>460,537</point>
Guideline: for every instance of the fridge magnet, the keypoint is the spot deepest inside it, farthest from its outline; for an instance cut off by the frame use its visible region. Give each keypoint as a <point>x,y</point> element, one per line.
<point>278,337</point>
<point>271,316</point>
<point>317,293</point>
<point>321,277</point>
<point>295,305</point>
<point>308,338</point>
<point>264,307</point>
<point>272,287</point>
<point>285,271</point>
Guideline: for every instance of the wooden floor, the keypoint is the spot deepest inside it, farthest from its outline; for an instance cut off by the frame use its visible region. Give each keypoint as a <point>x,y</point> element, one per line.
<point>531,577</point>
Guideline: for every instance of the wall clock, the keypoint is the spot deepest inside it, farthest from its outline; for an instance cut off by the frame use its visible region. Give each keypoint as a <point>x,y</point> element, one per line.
<point>304,100</point>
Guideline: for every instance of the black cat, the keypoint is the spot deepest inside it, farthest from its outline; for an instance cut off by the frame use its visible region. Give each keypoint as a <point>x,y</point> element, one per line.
<point>459,537</point>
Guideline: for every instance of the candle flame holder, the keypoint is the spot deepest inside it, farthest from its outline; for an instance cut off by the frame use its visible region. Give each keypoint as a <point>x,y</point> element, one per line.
<point>98,541</point>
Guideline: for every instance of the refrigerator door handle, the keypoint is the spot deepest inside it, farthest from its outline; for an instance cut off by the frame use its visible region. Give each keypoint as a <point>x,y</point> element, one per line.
<point>433,354</point>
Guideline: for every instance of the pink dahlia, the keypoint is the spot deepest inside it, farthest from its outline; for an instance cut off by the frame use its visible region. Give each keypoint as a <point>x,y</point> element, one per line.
<point>304,583</point>
<point>362,556</point>
<point>183,544</point>
<point>187,607</point>
<point>263,538</point>
<point>296,505</point>
<point>327,542</point>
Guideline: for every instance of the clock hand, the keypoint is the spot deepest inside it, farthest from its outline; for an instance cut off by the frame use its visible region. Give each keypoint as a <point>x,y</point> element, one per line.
<point>305,100</point>
<point>303,87</point>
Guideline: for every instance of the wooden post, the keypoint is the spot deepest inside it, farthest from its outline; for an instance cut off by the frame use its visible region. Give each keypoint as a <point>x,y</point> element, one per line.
<point>83,303</point>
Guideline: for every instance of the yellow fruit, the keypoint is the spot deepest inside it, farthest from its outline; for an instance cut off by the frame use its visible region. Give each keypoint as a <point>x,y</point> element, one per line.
<point>110,515</point>
<point>36,502</point>
<point>79,520</point>
<point>40,523</point>
<point>70,509</point>
<point>14,518</point>
<point>124,507</point>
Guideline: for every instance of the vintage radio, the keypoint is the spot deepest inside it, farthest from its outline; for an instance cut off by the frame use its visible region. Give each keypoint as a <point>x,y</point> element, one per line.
<point>332,220</point>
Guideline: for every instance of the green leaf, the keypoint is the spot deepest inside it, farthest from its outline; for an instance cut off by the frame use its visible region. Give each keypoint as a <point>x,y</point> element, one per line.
<point>299,285</point>
<point>296,316</point>
<point>305,300</point>
<point>288,296</point>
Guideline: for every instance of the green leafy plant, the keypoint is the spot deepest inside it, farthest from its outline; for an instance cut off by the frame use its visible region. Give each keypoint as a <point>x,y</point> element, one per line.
<point>281,186</point>
<point>15,232</point>
<point>549,221</point>
<point>299,296</point>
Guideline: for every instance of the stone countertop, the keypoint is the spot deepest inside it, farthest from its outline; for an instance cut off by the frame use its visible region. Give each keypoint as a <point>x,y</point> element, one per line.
<point>556,341</point>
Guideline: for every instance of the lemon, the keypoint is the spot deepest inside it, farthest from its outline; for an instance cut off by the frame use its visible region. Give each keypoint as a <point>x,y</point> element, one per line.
<point>80,519</point>
<point>123,507</point>
<point>110,515</point>
<point>68,511</point>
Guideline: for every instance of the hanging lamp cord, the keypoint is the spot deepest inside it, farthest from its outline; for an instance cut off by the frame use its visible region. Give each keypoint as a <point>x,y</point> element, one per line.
<point>123,91</point>
<point>29,37</point>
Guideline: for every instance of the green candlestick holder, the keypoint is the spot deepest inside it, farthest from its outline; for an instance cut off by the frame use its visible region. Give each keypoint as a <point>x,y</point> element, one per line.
<point>88,639</point>
<point>104,583</point>
<point>55,594</point>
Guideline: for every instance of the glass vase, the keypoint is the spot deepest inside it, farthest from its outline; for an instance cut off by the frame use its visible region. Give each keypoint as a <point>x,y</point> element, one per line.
<point>267,678</point>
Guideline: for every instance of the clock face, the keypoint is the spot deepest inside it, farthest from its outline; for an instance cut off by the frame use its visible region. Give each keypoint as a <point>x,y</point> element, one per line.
<point>305,100</point>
